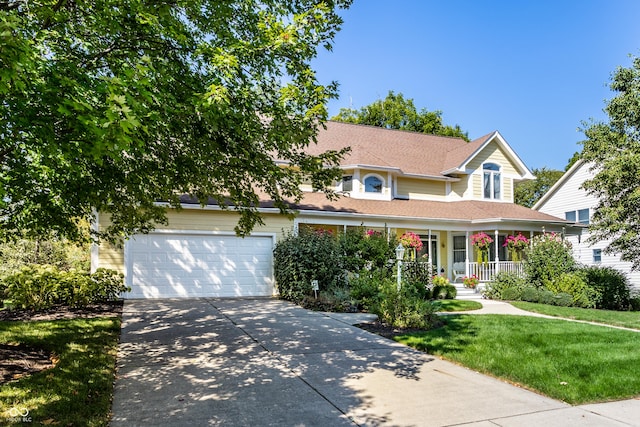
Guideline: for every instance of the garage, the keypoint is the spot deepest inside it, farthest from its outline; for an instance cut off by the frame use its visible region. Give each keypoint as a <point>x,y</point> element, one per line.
<point>184,264</point>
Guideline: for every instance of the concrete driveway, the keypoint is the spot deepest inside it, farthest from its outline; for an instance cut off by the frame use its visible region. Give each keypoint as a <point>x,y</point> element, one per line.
<point>266,362</point>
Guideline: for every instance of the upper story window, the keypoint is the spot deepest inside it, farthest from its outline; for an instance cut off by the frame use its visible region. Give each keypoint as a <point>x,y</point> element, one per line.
<point>347,183</point>
<point>582,216</point>
<point>373,184</point>
<point>491,181</point>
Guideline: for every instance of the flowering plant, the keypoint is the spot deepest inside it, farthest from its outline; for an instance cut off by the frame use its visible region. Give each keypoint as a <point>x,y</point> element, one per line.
<point>470,282</point>
<point>481,240</point>
<point>516,242</point>
<point>373,233</point>
<point>411,240</point>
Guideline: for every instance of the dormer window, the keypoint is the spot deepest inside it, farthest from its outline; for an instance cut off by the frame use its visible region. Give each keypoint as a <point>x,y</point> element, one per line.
<point>491,181</point>
<point>373,184</point>
<point>347,183</point>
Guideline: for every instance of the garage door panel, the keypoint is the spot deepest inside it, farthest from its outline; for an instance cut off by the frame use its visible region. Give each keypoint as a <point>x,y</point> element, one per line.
<point>168,265</point>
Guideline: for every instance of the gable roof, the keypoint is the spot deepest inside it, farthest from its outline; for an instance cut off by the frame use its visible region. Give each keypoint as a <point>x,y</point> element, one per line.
<point>559,183</point>
<point>409,153</point>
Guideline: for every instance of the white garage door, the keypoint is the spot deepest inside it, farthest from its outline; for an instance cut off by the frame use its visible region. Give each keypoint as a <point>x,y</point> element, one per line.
<point>161,265</point>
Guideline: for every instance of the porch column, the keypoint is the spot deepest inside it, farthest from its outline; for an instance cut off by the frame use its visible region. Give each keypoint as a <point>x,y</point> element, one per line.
<point>466,254</point>
<point>429,250</point>
<point>496,251</point>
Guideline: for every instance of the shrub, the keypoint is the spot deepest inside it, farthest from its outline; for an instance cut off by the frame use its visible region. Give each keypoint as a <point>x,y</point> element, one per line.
<point>574,285</point>
<point>612,286</point>
<point>545,296</point>
<point>365,288</point>
<point>361,248</point>
<point>442,289</point>
<point>59,253</point>
<point>402,309</point>
<point>634,302</point>
<point>38,287</point>
<point>548,258</point>
<point>311,255</point>
<point>530,294</point>
<point>505,282</point>
<point>419,272</point>
<point>563,300</point>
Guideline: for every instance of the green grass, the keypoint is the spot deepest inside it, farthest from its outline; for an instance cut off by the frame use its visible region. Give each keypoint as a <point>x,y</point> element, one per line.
<point>573,362</point>
<point>450,305</point>
<point>627,319</point>
<point>78,390</point>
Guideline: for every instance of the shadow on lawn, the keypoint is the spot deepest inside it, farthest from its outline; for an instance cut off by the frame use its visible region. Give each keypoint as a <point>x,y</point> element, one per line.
<point>456,333</point>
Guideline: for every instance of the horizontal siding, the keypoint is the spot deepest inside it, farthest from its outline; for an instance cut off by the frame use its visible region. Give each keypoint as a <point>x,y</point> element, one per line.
<point>422,188</point>
<point>507,189</point>
<point>460,187</point>
<point>494,154</point>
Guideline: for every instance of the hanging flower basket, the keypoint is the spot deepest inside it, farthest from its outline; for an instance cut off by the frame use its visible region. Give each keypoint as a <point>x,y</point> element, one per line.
<point>412,242</point>
<point>481,242</point>
<point>516,245</point>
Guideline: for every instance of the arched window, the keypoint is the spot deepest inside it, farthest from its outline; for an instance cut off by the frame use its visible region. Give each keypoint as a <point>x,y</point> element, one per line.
<point>373,184</point>
<point>491,181</point>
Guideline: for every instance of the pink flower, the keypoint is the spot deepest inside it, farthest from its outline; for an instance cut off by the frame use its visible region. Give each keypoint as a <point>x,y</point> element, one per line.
<point>481,240</point>
<point>411,240</point>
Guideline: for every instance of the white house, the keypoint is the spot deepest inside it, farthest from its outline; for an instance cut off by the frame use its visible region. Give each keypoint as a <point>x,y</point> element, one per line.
<point>567,199</point>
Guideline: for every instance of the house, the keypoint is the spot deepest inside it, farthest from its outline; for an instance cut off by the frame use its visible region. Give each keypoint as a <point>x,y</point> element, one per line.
<point>567,199</point>
<point>441,188</point>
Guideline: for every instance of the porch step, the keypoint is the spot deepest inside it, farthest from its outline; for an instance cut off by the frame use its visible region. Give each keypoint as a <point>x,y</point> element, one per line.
<point>466,293</point>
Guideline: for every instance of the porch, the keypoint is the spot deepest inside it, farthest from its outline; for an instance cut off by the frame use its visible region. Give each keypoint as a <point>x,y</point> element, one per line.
<point>486,271</point>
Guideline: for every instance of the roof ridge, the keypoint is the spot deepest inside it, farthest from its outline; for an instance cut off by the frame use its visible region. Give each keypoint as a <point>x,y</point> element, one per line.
<point>413,132</point>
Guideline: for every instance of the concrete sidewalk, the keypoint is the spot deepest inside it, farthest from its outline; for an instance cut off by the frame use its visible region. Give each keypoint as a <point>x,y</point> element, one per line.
<point>266,362</point>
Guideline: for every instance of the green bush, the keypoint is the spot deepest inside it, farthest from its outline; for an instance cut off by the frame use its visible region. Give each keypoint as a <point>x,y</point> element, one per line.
<point>530,294</point>
<point>59,253</point>
<point>575,285</point>
<point>612,286</point>
<point>505,286</point>
<point>402,309</point>
<point>366,249</point>
<point>634,302</point>
<point>548,258</point>
<point>563,300</point>
<point>38,287</point>
<point>419,272</point>
<point>365,288</point>
<point>442,289</point>
<point>311,255</point>
<point>545,296</point>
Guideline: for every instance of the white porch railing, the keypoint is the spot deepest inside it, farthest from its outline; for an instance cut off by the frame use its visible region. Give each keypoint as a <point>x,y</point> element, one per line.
<point>486,271</point>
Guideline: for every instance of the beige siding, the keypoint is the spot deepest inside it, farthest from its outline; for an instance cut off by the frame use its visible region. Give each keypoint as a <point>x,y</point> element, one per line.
<point>421,188</point>
<point>193,219</point>
<point>476,182</point>
<point>494,154</point>
<point>459,188</point>
<point>507,189</point>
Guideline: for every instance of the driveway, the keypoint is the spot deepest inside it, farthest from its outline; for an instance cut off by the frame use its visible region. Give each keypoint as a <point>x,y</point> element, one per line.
<point>266,362</point>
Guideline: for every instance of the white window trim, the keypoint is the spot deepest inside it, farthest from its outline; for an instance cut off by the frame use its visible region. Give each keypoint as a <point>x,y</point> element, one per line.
<point>385,194</point>
<point>491,181</point>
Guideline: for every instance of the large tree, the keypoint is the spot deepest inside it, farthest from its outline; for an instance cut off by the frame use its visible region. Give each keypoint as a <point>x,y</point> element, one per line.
<point>398,112</point>
<point>112,106</point>
<point>613,150</point>
<point>527,193</point>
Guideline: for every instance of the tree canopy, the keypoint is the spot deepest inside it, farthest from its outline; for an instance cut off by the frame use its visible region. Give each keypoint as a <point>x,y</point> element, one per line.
<point>613,150</point>
<point>112,106</point>
<point>527,193</point>
<point>396,112</point>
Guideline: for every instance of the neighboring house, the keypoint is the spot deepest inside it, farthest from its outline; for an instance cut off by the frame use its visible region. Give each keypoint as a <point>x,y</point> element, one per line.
<point>567,199</point>
<point>442,188</point>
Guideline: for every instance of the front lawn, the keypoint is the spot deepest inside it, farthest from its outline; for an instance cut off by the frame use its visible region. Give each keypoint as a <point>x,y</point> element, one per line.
<point>627,319</point>
<point>452,305</point>
<point>573,362</point>
<point>78,390</point>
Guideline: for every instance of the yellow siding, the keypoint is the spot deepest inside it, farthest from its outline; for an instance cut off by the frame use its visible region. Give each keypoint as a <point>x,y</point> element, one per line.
<point>458,188</point>
<point>476,181</point>
<point>507,187</point>
<point>421,188</point>
<point>193,219</point>
<point>494,154</point>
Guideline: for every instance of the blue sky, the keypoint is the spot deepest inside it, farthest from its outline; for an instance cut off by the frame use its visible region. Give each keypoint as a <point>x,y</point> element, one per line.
<point>533,70</point>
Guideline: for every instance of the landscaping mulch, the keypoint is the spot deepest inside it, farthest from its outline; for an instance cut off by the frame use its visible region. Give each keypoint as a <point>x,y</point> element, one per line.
<point>385,330</point>
<point>19,360</point>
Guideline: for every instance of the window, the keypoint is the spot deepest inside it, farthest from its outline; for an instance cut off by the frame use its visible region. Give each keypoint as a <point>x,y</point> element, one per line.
<point>582,216</point>
<point>491,181</point>
<point>597,255</point>
<point>459,249</point>
<point>424,238</point>
<point>373,184</point>
<point>347,183</point>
